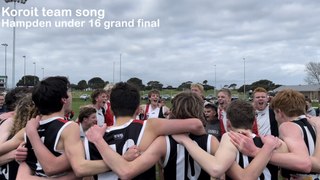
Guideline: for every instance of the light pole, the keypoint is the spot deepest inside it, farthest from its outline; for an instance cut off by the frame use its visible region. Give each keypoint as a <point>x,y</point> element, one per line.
<point>120,67</point>
<point>113,71</point>
<point>14,39</point>
<point>5,62</point>
<point>244,78</point>
<point>215,79</point>
<point>34,77</point>
<point>42,72</point>
<point>24,70</point>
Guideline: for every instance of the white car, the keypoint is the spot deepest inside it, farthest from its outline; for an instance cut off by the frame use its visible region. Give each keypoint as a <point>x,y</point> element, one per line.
<point>84,96</point>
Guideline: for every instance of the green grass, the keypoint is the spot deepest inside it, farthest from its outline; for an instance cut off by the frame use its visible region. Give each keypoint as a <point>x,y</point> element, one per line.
<point>77,102</point>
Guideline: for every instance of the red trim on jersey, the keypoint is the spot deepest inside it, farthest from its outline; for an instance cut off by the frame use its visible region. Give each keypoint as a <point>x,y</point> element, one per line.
<point>222,129</point>
<point>62,120</point>
<point>108,116</point>
<point>138,121</point>
<point>145,113</point>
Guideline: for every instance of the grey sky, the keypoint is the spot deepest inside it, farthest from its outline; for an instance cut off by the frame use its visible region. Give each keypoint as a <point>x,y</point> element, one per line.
<point>276,38</point>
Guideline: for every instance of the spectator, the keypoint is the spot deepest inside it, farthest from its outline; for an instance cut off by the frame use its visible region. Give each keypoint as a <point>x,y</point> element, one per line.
<point>152,109</point>
<point>265,116</point>
<point>99,98</point>
<point>2,105</point>
<point>310,110</point>
<point>213,124</point>
<point>87,118</point>
<point>109,117</point>
<point>198,89</point>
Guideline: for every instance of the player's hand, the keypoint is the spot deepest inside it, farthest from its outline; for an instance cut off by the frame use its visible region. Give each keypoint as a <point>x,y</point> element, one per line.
<point>21,153</point>
<point>244,143</point>
<point>32,125</point>
<point>96,133</point>
<point>271,141</point>
<point>132,153</point>
<point>314,121</point>
<point>180,138</point>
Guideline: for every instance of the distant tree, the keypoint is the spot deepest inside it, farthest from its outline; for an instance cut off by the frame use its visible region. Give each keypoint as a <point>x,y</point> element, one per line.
<point>207,87</point>
<point>205,82</point>
<point>232,86</point>
<point>169,87</point>
<point>185,85</point>
<point>28,80</point>
<point>313,73</point>
<point>82,85</point>
<point>136,82</point>
<point>154,85</point>
<point>74,86</point>
<point>266,84</point>
<point>248,88</point>
<point>96,83</point>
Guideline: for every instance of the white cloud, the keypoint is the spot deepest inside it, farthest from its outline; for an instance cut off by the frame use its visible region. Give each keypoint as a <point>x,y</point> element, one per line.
<point>276,37</point>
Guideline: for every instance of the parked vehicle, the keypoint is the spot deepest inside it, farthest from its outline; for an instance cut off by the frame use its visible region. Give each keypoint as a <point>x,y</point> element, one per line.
<point>210,97</point>
<point>84,97</point>
<point>166,97</point>
<point>144,97</point>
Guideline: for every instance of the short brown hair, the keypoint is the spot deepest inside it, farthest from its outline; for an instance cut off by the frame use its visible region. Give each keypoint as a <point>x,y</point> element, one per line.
<point>97,93</point>
<point>153,91</point>
<point>289,101</point>
<point>241,114</point>
<point>187,105</point>
<point>225,91</point>
<point>85,112</point>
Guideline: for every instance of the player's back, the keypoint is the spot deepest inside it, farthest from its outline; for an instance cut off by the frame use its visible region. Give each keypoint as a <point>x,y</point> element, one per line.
<point>120,139</point>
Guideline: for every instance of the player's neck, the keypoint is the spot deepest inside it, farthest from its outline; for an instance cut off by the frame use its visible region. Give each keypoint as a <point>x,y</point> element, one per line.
<point>242,131</point>
<point>122,120</point>
<point>55,114</point>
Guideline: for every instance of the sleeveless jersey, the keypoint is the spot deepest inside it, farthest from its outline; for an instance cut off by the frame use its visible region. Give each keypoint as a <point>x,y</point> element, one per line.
<point>147,112</point>
<point>120,138</point>
<point>49,131</point>
<point>309,136</point>
<point>270,172</point>
<point>178,164</point>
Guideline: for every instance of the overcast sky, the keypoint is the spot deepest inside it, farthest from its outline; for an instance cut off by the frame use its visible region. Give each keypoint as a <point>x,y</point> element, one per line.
<point>276,38</point>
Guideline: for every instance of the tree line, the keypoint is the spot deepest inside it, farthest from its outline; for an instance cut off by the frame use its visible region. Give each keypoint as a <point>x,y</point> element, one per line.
<point>312,77</point>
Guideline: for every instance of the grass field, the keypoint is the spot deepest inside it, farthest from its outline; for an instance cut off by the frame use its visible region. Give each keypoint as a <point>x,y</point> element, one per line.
<point>77,102</point>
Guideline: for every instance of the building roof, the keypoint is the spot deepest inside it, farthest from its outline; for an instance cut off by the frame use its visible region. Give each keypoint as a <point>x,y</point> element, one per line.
<point>300,88</point>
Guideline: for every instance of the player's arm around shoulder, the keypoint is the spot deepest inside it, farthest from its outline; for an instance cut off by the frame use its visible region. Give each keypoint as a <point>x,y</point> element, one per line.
<point>13,143</point>
<point>75,153</point>
<point>298,158</point>
<point>226,153</point>
<point>163,127</point>
<point>214,145</point>
<point>73,147</point>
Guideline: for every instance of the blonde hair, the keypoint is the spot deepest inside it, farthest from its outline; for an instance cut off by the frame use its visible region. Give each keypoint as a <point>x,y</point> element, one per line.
<point>24,111</point>
<point>199,86</point>
<point>108,87</point>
